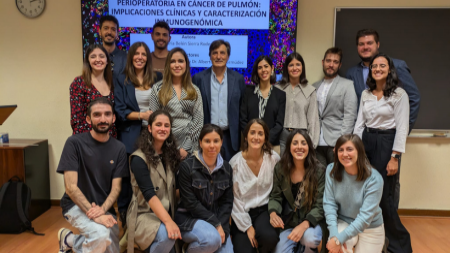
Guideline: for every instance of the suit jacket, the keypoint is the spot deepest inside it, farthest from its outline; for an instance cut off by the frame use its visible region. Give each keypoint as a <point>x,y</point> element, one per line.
<point>273,114</point>
<point>339,114</point>
<point>406,82</point>
<point>236,88</point>
<point>126,103</point>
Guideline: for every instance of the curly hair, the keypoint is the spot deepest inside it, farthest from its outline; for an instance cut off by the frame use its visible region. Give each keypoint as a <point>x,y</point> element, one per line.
<point>170,151</point>
<point>310,181</point>
<point>267,147</point>
<point>391,80</point>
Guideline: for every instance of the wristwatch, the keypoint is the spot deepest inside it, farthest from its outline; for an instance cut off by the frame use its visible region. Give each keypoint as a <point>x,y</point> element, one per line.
<point>336,241</point>
<point>396,156</point>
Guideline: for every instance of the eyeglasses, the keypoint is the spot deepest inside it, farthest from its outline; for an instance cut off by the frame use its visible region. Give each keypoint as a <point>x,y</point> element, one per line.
<point>375,66</point>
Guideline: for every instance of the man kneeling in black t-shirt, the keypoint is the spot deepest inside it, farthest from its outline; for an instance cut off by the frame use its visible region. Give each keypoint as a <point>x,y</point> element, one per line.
<point>93,164</point>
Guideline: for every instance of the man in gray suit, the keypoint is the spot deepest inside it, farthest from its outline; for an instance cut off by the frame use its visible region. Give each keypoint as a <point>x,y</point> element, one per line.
<point>337,103</point>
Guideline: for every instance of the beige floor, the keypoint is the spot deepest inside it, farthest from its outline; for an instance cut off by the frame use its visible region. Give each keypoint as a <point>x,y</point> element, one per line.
<point>428,234</point>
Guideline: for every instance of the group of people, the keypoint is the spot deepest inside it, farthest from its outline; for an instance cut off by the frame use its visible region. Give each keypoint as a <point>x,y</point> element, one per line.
<point>222,166</point>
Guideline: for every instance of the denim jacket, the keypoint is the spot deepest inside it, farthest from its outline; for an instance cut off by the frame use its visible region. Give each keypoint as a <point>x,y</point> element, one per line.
<point>204,195</point>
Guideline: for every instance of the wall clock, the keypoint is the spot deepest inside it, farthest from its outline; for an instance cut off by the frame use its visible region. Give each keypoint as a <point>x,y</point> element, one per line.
<point>30,8</point>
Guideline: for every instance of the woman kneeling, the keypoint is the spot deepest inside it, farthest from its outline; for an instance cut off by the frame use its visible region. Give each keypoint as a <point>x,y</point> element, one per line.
<point>298,185</point>
<point>252,184</point>
<point>206,189</point>
<point>352,197</point>
<point>152,206</point>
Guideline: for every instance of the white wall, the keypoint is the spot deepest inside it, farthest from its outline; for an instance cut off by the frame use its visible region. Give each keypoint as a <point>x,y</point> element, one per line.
<point>41,56</point>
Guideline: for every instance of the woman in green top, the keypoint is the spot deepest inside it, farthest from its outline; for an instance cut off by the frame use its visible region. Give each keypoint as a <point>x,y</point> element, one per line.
<point>295,204</point>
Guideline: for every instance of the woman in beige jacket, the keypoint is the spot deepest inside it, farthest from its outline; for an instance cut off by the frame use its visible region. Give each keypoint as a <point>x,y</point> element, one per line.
<point>153,204</point>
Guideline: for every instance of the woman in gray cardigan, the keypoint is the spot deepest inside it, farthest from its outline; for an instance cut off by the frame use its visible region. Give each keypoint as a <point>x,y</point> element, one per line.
<point>301,101</point>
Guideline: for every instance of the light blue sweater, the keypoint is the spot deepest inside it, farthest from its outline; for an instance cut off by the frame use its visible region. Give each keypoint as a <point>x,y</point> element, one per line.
<point>355,202</point>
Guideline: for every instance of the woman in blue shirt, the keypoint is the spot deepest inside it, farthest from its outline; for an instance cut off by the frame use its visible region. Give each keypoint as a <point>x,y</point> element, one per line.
<point>351,200</point>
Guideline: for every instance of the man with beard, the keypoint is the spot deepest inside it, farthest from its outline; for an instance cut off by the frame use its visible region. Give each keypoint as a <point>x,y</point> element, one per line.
<point>161,39</point>
<point>108,32</point>
<point>367,42</point>
<point>93,165</point>
<point>337,103</point>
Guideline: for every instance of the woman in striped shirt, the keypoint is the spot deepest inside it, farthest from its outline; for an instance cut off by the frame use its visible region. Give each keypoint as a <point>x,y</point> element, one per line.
<point>182,99</point>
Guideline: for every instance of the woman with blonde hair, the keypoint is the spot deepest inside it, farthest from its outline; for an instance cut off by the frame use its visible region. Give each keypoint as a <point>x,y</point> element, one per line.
<point>182,99</point>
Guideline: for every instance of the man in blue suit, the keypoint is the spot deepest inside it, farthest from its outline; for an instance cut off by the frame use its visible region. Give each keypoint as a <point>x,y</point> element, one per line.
<point>367,42</point>
<point>222,89</point>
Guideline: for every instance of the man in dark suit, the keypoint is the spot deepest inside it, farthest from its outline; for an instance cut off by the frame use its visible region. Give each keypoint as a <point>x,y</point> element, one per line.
<point>222,89</point>
<point>337,103</point>
<point>367,42</point>
<point>109,33</point>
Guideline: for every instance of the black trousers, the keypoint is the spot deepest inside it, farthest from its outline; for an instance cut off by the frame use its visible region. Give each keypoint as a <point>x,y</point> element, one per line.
<point>265,234</point>
<point>126,192</point>
<point>325,155</point>
<point>378,145</point>
<point>227,152</point>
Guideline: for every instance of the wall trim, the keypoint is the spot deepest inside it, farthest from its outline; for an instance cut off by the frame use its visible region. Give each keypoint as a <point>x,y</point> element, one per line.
<point>420,212</point>
<point>55,202</point>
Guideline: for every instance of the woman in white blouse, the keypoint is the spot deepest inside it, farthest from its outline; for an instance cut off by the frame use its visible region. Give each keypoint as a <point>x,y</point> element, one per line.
<point>382,124</point>
<point>182,99</point>
<point>252,184</point>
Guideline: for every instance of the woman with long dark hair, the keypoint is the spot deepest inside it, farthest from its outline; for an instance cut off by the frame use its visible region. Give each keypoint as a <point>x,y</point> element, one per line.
<point>262,101</point>
<point>301,101</point>
<point>132,106</point>
<point>252,183</point>
<point>295,204</point>
<point>132,93</point>
<point>153,167</point>
<point>351,200</point>
<point>205,180</point>
<point>182,99</point>
<point>383,125</point>
<point>95,81</point>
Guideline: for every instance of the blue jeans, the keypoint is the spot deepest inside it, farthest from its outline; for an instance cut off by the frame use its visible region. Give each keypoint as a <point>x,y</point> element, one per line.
<point>94,237</point>
<point>162,243</point>
<point>309,241</point>
<point>204,238</point>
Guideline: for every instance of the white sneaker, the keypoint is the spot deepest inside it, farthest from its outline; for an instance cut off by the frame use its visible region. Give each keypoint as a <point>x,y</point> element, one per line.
<point>62,238</point>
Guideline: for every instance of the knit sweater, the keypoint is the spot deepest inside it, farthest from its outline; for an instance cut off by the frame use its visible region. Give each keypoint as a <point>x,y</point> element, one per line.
<point>355,202</point>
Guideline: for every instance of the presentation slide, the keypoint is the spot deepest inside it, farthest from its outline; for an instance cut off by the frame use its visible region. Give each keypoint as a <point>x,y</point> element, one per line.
<point>253,27</point>
<point>197,47</point>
